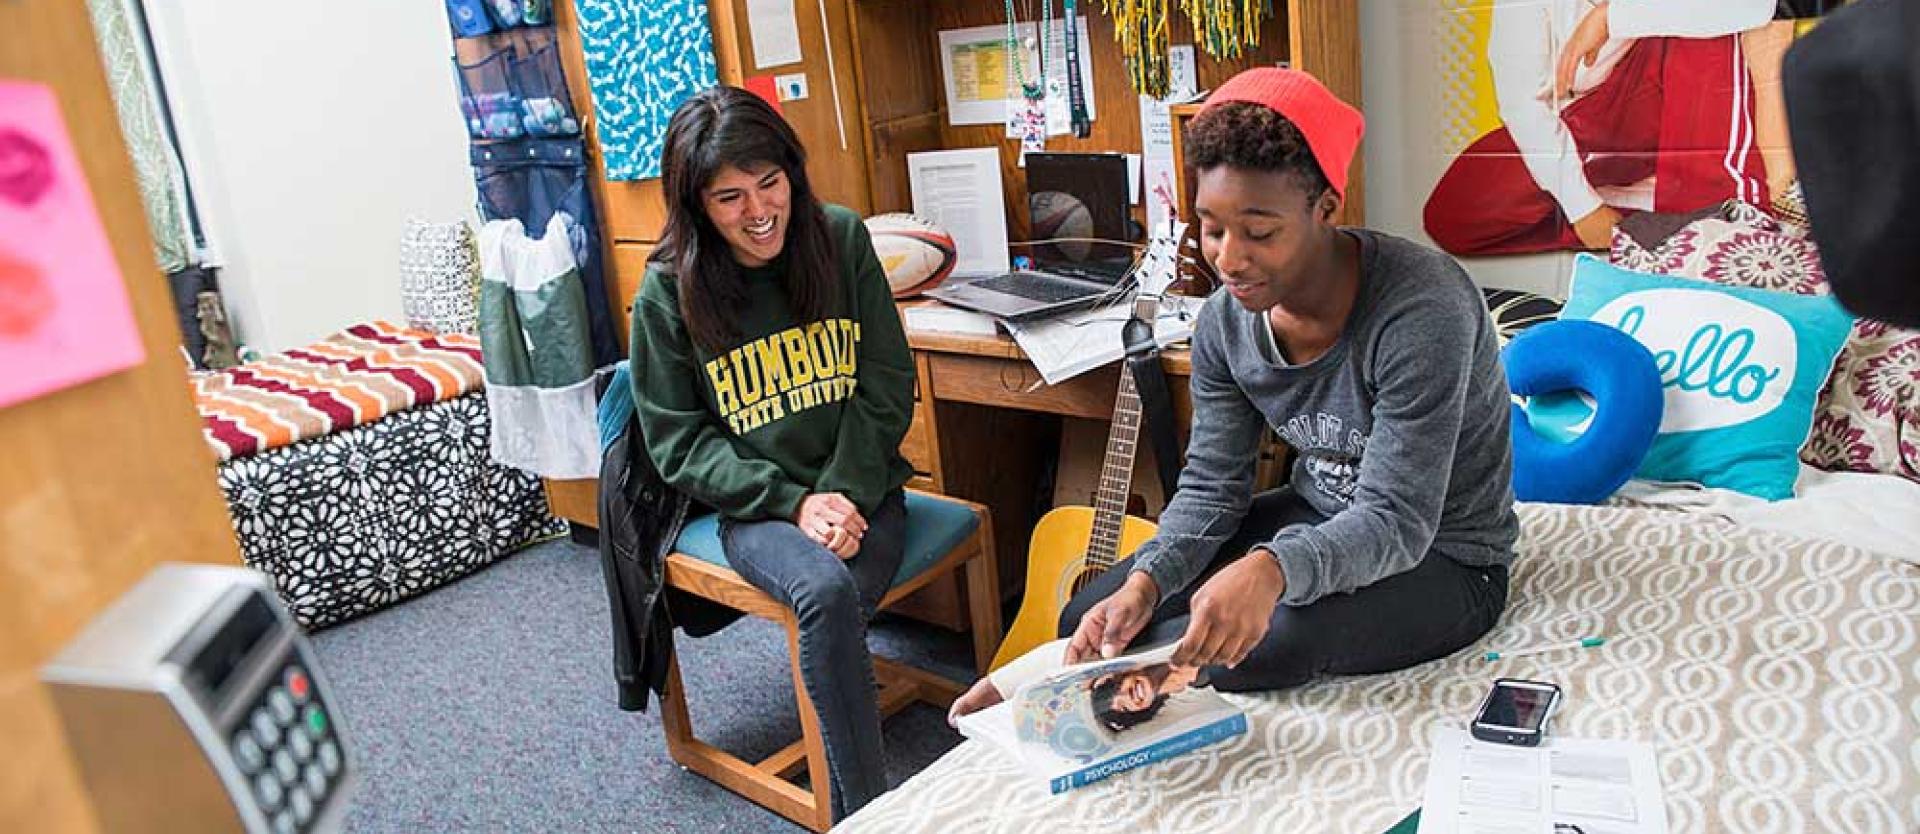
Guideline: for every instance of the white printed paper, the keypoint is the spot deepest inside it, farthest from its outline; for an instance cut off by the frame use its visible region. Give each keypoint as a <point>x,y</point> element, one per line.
<point>1156,138</point>
<point>960,191</point>
<point>1591,785</point>
<point>775,31</point>
<point>946,319</point>
<point>1183,80</point>
<point>1161,184</point>
<point>1067,346</point>
<point>1133,179</point>
<point>982,87</point>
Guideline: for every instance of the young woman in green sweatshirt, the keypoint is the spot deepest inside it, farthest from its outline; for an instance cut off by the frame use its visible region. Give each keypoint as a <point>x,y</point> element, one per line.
<point>773,383</point>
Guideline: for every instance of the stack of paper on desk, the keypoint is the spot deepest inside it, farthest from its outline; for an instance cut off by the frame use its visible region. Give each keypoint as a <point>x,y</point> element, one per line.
<point>1070,345</point>
<point>949,319</point>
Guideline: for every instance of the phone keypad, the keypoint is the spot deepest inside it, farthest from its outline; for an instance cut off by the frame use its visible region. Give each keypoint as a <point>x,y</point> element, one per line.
<point>288,752</point>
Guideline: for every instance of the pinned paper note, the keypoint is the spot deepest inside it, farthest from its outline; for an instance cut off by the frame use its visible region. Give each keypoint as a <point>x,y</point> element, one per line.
<point>64,315</point>
<point>774,28</point>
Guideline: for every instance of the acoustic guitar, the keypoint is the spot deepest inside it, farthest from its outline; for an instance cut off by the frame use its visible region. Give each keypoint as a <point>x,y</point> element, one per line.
<point>1072,545</point>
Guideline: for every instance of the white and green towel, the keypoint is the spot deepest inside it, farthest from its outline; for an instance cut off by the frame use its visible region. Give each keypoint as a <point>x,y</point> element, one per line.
<point>537,352</point>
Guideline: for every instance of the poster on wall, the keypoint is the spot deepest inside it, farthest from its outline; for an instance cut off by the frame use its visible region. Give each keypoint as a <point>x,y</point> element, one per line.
<point>64,314</point>
<point>983,87</point>
<point>1569,116</point>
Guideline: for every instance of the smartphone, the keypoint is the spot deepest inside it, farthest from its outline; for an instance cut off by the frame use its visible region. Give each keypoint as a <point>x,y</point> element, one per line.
<point>1516,712</point>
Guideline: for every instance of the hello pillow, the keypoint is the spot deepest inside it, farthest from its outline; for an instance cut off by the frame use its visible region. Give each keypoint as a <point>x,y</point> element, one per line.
<point>1741,370</point>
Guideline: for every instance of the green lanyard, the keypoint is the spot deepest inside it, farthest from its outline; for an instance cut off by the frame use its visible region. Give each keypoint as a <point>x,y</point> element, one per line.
<point>1076,95</point>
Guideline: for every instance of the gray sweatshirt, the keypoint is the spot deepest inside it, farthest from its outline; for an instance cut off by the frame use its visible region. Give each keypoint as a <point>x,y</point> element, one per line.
<point>1400,433</point>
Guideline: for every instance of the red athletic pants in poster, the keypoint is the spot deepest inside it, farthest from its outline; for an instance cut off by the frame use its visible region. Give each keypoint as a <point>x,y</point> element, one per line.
<point>1675,109</point>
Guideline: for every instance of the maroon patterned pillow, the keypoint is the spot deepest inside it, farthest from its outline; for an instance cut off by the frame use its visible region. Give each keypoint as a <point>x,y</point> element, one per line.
<point>1868,419</point>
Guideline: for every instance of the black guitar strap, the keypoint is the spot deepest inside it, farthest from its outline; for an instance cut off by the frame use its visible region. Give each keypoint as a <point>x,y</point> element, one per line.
<point>1150,383</point>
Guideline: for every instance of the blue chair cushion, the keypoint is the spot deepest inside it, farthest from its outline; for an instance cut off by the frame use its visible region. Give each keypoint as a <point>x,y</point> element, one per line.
<point>1618,373</point>
<point>935,526</point>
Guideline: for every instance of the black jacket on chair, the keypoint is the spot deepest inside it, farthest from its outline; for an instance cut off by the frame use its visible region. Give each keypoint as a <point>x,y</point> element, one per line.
<point>640,519</point>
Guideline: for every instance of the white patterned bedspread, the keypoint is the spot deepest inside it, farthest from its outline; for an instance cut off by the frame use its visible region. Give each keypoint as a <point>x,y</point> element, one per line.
<point>1778,678</point>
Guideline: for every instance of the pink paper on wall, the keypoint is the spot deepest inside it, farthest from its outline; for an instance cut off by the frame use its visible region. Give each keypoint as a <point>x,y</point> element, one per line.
<point>64,314</point>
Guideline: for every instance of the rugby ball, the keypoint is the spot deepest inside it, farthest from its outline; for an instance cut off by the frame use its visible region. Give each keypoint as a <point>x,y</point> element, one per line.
<point>916,254</point>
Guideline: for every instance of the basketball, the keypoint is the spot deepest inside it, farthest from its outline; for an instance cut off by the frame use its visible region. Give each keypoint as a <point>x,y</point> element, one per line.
<point>1056,215</point>
<point>916,254</point>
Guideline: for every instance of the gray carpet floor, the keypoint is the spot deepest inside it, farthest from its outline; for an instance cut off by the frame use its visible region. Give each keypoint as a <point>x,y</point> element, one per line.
<point>489,705</point>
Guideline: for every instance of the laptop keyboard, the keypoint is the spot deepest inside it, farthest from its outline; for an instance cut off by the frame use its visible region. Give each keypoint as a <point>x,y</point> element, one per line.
<point>1037,287</point>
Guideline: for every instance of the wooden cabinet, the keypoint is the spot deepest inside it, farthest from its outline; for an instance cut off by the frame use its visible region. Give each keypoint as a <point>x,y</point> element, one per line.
<point>629,265</point>
<point>902,91</point>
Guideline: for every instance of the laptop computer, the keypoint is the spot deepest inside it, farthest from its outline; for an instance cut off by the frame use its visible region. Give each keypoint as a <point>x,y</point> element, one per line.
<point>1075,202</point>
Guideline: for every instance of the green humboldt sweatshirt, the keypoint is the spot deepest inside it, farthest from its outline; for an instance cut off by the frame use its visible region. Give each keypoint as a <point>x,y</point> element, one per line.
<point>794,407</point>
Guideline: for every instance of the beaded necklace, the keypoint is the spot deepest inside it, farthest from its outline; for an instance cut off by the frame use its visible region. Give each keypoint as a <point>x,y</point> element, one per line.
<point>1035,89</point>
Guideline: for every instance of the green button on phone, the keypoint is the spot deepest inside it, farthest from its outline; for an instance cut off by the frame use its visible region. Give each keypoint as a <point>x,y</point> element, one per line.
<point>316,721</point>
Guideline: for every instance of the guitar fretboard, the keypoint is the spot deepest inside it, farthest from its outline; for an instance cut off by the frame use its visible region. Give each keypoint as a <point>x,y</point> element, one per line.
<point>1156,272</point>
<point>1116,475</point>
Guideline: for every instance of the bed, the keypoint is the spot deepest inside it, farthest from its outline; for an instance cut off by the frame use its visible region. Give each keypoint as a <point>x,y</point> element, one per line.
<point>357,472</point>
<point>1776,672</point>
<point>1769,651</point>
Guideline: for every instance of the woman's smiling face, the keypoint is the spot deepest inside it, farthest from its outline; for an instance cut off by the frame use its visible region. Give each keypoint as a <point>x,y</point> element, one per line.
<point>749,208</point>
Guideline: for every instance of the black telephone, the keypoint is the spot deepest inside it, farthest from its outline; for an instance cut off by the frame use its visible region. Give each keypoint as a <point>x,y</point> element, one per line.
<point>1516,712</point>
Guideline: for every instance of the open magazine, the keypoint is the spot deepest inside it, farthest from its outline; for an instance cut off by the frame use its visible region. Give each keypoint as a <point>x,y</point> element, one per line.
<point>1076,725</point>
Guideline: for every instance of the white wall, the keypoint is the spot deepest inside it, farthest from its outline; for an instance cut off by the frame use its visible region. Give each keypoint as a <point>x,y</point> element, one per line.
<point>1403,75</point>
<point>310,133</point>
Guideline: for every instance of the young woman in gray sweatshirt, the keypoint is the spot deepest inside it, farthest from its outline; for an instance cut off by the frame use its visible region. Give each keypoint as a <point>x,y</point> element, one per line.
<point>1373,358</point>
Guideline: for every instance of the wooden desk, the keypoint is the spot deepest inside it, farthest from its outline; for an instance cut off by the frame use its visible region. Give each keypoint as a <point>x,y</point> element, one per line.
<point>988,429</point>
<point>993,371</point>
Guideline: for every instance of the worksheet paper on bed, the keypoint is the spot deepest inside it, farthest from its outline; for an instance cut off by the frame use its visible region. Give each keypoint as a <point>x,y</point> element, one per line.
<point>1564,786</point>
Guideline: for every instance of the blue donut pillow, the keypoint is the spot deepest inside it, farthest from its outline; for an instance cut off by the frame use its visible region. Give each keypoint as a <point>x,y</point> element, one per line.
<point>1618,373</point>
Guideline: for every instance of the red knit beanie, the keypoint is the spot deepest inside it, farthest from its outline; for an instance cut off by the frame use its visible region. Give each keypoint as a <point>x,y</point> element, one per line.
<point>1331,126</point>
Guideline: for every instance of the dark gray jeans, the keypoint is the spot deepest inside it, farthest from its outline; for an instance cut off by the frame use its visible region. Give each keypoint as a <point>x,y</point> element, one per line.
<point>833,600</point>
<point>1429,612</point>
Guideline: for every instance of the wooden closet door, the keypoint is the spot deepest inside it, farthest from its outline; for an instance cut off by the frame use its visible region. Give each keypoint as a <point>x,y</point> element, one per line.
<point>100,481</point>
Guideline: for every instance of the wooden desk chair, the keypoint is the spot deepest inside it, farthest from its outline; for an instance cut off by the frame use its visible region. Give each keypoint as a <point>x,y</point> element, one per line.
<point>943,534</point>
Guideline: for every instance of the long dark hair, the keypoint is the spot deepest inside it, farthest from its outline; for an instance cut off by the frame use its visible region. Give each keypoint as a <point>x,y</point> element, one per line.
<point>723,126</point>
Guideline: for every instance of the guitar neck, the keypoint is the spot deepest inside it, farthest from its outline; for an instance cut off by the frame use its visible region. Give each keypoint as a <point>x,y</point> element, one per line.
<point>1116,475</point>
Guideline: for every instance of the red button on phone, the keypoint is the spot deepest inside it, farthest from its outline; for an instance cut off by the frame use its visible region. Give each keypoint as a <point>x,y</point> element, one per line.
<point>297,685</point>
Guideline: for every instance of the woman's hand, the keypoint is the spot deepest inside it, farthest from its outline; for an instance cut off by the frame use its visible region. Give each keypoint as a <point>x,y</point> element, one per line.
<point>842,543</point>
<point>1113,622</point>
<point>1230,613</point>
<point>833,521</point>
<point>982,695</point>
<point>1580,49</point>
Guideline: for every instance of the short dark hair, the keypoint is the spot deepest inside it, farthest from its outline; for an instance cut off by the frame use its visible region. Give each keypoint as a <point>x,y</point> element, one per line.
<point>1118,720</point>
<point>1254,137</point>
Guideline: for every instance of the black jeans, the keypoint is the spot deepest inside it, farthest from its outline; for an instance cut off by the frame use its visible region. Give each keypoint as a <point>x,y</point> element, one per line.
<point>1426,613</point>
<point>833,600</point>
